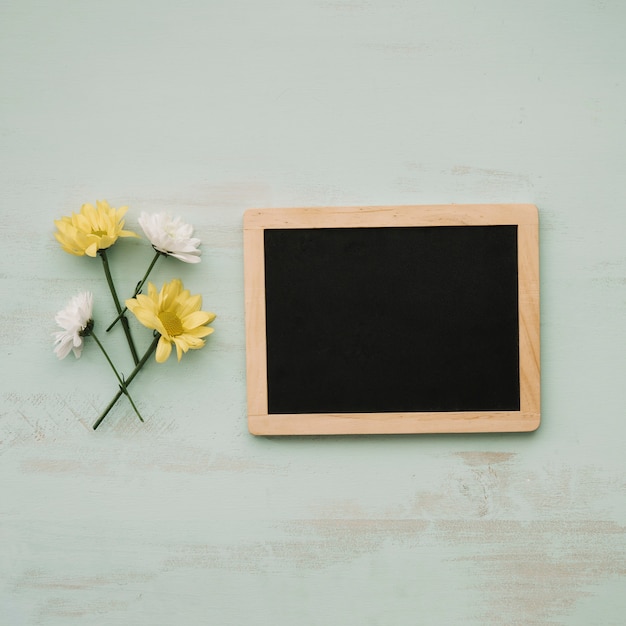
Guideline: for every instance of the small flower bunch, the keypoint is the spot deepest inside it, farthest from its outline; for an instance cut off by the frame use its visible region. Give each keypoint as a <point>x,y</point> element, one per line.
<point>172,313</point>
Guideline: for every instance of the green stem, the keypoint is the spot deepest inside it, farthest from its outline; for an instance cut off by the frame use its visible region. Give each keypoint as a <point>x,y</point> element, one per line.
<point>134,373</point>
<point>138,288</point>
<point>107,273</point>
<point>123,385</point>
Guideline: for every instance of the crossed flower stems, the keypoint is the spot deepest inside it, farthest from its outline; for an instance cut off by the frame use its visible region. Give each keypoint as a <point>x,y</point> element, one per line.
<point>121,317</point>
<point>88,331</point>
<point>124,384</point>
<point>173,314</point>
<point>176,319</point>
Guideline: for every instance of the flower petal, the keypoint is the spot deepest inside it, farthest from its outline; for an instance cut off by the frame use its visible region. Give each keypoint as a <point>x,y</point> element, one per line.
<point>187,258</point>
<point>181,346</point>
<point>169,293</point>
<point>152,292</point>
<point>201,331</point>
<point>198,318</point>
<point>128,233</point>
<point>163,351</point>
<point>188,306</point>
<point>189,342</point>
<point>143,315</point>
<point>91,250</point>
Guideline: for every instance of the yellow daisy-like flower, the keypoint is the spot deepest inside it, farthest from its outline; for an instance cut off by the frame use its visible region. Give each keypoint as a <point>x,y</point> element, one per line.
<point>175,314</point>
<point>94,228</point>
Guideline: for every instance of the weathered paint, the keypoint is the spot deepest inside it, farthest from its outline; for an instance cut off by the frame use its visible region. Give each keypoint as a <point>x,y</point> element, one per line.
<point>207,109</point>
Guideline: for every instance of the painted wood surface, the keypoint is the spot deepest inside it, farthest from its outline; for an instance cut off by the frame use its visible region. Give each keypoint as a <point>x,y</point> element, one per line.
<point>208,109</point>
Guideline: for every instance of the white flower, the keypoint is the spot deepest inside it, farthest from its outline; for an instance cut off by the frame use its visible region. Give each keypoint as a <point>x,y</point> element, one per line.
<point>171,236</point>
<point>73,319</point>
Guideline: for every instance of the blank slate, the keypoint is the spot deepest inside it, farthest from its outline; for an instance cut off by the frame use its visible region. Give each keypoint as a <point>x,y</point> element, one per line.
<point>410,319</point>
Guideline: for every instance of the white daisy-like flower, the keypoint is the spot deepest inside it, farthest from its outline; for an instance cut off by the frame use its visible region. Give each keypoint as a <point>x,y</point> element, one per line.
<point>170,235</point>
<point>74,319</point>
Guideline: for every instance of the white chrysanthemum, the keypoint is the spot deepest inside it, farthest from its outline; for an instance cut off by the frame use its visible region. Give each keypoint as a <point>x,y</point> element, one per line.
<point>171,236</point>
<point>73,319</point>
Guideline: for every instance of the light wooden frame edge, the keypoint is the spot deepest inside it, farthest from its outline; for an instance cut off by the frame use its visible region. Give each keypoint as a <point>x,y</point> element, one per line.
<point>525,216</point>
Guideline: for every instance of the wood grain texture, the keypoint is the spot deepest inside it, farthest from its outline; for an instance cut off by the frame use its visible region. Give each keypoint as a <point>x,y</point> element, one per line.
<point>209,109</point>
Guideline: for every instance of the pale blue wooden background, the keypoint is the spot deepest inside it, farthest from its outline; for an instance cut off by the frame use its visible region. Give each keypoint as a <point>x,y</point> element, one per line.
<point>208,108</point>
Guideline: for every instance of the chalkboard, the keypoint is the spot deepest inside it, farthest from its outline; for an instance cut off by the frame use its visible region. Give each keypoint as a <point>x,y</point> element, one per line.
<point>392,319</point>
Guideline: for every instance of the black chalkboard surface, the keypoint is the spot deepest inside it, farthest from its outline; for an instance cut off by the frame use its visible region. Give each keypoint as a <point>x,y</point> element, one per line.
<point>392,319</point>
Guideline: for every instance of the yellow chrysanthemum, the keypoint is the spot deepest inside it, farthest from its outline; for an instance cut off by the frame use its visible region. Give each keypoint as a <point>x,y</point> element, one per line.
<point>94,228</point>
<point>175,314</point>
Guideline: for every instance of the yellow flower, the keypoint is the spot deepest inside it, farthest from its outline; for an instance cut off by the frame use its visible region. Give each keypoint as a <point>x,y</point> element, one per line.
<point>175,314</point>
<point>92,229</point>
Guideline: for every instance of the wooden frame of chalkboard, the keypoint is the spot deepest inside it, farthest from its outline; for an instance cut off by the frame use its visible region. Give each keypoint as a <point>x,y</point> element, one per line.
<point>396,319</point>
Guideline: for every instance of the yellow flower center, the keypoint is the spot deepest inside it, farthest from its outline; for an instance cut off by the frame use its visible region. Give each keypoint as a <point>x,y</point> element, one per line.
<point>172,323</point>
<point>98,233</point>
